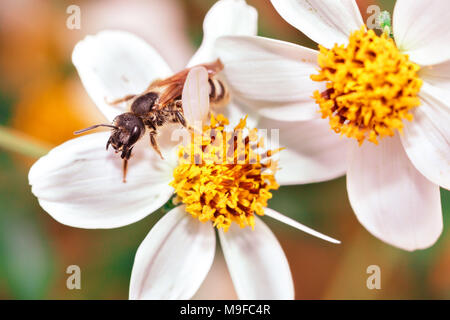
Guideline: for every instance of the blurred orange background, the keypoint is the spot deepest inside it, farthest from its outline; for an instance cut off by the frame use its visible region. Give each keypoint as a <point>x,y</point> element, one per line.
<point>42,102</point>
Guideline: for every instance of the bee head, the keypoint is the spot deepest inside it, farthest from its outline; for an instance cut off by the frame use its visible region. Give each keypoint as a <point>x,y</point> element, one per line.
<point>127,130</point>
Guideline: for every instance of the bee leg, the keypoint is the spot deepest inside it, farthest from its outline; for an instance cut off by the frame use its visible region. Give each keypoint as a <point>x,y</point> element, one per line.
<point>108,143</point>
<point>125,156</point>
<point>120,100</point>
<point>155,144</point>
<point>125,167</point>
<point>180,118</point>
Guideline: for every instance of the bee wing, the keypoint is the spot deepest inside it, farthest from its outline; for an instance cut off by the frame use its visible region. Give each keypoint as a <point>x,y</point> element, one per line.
<point>195,97</point>
<point>177,79</point>
<point>171,88</point>
<point>180,77</point>
<point>169,93</point>
<point>213,68</point>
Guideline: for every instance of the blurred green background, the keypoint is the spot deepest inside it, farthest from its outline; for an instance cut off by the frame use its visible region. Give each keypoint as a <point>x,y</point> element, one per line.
<point>42,102</point>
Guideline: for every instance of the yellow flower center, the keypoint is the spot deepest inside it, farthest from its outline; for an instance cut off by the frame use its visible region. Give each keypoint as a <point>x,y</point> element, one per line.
<point>222,178</point>
<point>371,86</point>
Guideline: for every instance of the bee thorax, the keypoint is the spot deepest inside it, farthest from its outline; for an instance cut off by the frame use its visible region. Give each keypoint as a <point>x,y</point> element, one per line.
<point>145,103</point>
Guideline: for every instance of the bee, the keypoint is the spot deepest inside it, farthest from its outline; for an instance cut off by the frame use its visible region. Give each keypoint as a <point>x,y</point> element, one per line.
<point>158,105</point>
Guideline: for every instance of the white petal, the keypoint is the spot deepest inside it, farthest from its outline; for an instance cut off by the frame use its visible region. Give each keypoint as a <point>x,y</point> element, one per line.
<point>257,264</point>
<point>426,139</point>
<point>271,76</point>
<point>226,17</point>
<point>313,153</point>
<point>325,21</point>
<point>422,30</point>
<point>438,75</point>
<point>235,111</point>
<point>282,218</point>
<point>80,184</point>
<point>114,64</point>
<point>195,97</point>
<point>391,198</point>
<point>174,258</point>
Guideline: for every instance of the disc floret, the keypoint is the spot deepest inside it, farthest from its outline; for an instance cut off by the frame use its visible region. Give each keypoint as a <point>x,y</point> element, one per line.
<point>371,87</point>
<point>221,176</point>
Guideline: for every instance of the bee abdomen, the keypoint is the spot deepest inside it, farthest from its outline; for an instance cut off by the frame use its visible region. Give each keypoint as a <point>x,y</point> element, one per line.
<point>218,94</point>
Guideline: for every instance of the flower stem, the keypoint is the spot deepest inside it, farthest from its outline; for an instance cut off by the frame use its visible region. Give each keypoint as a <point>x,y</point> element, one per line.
<point>15,141</point>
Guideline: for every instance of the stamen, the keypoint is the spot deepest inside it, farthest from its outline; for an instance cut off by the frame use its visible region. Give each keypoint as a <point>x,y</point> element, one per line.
<point>229,183</point>
<point>371,86</point>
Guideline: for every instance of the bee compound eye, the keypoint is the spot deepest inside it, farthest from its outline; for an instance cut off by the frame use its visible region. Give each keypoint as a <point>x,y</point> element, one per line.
<point>134,135</point>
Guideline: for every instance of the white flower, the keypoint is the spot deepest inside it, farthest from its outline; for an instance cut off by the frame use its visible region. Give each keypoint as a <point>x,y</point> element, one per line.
<point>393,187</point>
<point>80,184</point>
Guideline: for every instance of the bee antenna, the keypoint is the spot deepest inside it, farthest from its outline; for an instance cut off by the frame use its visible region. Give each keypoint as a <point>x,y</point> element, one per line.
<point>95,126</point>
